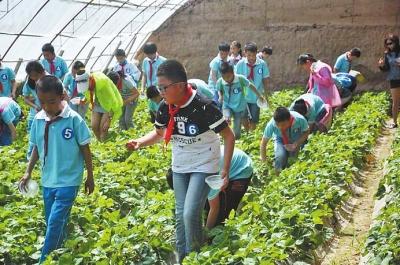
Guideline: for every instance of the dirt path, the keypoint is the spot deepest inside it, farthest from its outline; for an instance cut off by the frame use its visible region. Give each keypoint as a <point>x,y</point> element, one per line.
<point>346,247</point>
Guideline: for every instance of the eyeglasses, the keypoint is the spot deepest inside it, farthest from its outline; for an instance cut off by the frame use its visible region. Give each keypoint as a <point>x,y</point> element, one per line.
<point>162,89</point>
<point>389,43</point>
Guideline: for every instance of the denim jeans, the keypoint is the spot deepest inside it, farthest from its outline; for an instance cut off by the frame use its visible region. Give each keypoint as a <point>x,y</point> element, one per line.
<point>281,155</point>
<point>191,193</point>
<point>5,133</point>
<point>237,120</point>
<point>126,119</point>
<point>57,207</point>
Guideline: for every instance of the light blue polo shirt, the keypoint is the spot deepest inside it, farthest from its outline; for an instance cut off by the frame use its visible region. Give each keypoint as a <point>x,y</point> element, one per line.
<point>241,168</point>
<point>27,91</point>
<point>202,88</point>
<point>215,65</point>
<point>60,65</point>
<point>316,105</point>
<point>342,64</point>
<point>154,106</point>
<point>6,76</point>
<point>298,127</point>
<point>234,93</point>
<point>146,69</point>
<point>261,71</point>
<point>64,161</point>
<point>130,70</point>
<point>11,110</point>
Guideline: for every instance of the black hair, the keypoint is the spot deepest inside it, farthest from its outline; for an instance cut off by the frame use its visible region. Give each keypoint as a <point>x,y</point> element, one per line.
<point>224,47</point>
<point>237,45</point>
<point>303,58</point>
<point>152,92</point>
<point>300,107</point>
<point>281,114</point>
<point>48,48</point>
<point>34,66</point>
<point>170,179</point>
<point>355,52</point>
<point>120,52</point>
<point>226,68</point>
<point>50,83</point>
<point>396,47</point>
<point>250,47</point>
<point>114,77</point>
<point>78,65</point>
<point>172,70</point>
<point>150,48</point>
<point>267,50</point>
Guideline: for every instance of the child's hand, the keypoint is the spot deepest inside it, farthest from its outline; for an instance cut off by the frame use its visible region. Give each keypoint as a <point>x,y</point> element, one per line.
<point>225,176</point>
<point>23,181</point>
<point>133,145</point>
<point>291,147</point>
<point>381,62</point>
<point>89,186</point>
<point>106,125</point>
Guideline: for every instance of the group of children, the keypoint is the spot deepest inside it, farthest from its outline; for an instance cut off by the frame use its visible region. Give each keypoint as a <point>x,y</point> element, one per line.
<point>191,114</point>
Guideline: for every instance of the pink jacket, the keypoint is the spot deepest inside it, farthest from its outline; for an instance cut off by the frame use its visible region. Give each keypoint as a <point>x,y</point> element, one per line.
<point>326,88</point>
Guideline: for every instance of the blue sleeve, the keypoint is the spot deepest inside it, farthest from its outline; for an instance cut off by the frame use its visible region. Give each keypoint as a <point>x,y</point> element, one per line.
<point>269,130</point>
<point>219,86</point>
<point>26,90</point>
<point>214,65</point>
<point>32,133</point>
<point>11,74</point>
<point>265,70</point>
<point>239,68</point>
<point>338,64</point>
<point>8,116</point>
<point>144,68</point>
<point>303,124</point>
<point>82,131</point>
<point>64,67</point>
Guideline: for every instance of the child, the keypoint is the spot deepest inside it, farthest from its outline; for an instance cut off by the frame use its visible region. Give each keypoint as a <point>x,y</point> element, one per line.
<point>35,71</point>
<point>343,62</point>
<point>390,63</point>
<point>236,53</point>
<point>61,142</point>
<point>222,203</point>
<point>76,100</point>
<point>215,66</point>
<point>290,130</point>
<point>105,100</point>
<point>8,86</point>
<point>53,64</point>
<point>202,88</point>
<point>153,95</point>
<point>192,123</point>
<point>265,53</point>
<point>150,65</point>
<point>10,114</point>
<point>128,68</point>
<point>129,93</point>
<point>257,72</point>
<point>232,89</point>
<point>317,113</point>
<point>320,82</point>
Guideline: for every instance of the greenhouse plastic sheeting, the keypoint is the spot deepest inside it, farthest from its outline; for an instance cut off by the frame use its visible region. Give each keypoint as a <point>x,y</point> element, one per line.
<point>86,30</point>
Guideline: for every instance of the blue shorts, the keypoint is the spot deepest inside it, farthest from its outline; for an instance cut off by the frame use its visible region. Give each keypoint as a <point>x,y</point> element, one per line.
<point>253,112</point>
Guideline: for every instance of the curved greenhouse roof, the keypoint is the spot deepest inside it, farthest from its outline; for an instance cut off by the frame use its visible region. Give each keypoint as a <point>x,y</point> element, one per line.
<point>86,30</point>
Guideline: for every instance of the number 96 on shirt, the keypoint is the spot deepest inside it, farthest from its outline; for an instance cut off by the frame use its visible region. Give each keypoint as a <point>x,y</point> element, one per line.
<point>187,129</point>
